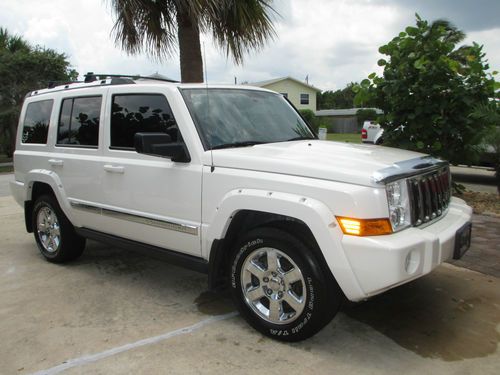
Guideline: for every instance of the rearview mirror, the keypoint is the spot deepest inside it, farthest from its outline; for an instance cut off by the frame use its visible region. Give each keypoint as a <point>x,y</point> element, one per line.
<point>160,144</point>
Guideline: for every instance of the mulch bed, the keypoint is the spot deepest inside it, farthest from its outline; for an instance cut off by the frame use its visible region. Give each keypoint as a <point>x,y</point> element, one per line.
<point>482,203</point>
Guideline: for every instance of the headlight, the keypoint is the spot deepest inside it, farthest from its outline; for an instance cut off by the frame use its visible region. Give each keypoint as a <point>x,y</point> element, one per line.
<point>399,205</point>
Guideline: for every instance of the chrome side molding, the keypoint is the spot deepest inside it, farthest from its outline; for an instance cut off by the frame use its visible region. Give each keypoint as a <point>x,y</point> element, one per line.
<point>407,168</point>
<point>178,227</point>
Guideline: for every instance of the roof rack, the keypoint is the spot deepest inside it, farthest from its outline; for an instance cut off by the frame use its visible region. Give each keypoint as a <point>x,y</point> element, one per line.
<point>92,80</point>
<point>91,77</point>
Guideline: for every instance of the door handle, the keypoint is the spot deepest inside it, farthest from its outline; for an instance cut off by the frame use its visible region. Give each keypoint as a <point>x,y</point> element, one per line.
<point>114,168</point>
<point>56,162</point>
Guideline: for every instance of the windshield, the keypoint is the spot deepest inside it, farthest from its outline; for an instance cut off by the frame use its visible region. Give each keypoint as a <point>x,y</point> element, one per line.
<point>237,118</point>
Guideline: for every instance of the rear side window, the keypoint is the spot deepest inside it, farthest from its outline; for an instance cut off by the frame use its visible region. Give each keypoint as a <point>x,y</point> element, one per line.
<point>140,113</point>
<point>79,121</point>
<point>36,122</point>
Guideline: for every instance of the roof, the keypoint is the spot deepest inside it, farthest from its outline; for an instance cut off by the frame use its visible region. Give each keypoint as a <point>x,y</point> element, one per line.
<point>149,81</point>
<point>344,112</point>
<point>271,81</point>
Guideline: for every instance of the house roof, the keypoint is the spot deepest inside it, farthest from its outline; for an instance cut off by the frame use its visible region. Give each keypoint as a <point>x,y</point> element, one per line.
<point>343,112</point>
<point>271,81</point>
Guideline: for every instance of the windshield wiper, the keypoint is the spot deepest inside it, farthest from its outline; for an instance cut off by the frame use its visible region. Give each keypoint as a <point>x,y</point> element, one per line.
<point>237,144</point>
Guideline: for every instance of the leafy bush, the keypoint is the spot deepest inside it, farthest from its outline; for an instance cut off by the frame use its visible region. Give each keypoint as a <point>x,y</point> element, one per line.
<point>428,90</point>
<point>489,114</point>
<point>311,118</point>
<point>363,115</point>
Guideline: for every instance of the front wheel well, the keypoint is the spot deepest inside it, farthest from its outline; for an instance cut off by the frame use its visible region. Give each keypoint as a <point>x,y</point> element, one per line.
<point>242,222</point>
<point>37,189</point>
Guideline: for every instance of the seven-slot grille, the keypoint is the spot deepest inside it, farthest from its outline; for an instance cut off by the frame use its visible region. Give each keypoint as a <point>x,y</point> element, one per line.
<point>430,195</point>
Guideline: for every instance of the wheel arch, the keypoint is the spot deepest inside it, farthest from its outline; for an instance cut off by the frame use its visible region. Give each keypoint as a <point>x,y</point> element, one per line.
<point>244,209</point>
<point>40,182</point>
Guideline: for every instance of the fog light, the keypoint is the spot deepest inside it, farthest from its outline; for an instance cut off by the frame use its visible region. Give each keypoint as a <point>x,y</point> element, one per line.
<point>412,261</point>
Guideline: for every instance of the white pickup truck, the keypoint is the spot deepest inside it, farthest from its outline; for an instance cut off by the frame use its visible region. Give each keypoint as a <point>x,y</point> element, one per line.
<point>229,180</point>
<point>372,132</point>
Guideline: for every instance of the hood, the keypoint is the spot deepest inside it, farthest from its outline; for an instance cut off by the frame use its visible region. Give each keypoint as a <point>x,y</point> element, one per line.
<point>326,160</point>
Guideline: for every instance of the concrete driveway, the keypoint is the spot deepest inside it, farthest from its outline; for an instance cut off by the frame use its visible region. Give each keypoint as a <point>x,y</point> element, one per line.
<point>115,312</point>
<point>4,183</point>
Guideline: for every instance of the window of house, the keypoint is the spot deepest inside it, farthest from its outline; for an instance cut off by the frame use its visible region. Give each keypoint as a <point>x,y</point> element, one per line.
<point>140,113</point>
<point>36,122</point>
<point>79,121</point>
<point>304,98</point>
<point>285,95</point>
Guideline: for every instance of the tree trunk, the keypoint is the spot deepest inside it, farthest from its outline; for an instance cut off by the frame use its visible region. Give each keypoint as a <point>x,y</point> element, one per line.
<point>189,48</point>
<point>13,133</point>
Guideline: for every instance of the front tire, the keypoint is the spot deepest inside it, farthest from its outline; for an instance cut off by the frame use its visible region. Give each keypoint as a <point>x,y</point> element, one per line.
<point>279,286</point>
<point>55,236</point>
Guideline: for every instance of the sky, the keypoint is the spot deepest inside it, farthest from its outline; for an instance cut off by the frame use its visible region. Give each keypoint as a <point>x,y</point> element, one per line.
<point>332,42</point>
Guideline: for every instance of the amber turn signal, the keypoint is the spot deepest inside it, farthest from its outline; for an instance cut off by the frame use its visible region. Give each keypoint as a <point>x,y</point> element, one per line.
<point>364,227</point>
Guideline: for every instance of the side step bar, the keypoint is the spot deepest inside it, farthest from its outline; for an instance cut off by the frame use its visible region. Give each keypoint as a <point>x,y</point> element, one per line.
<point>179,259</point>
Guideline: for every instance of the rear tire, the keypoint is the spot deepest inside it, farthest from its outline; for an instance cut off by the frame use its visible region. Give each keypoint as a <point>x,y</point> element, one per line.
<point>279,286</point>
<point>55,236</point>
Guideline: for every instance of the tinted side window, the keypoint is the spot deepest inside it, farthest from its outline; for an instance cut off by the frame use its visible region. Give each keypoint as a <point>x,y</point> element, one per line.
<point>134,113</point>
<point>36,122</point>
<point>79,121</point>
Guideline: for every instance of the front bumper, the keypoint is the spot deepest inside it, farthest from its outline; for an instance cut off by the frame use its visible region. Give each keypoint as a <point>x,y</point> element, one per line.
<point>383,262</point>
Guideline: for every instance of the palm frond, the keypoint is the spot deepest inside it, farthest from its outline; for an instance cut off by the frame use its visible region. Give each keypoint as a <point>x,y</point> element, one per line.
<point>449,31</point>
<point>145,26</point>
<point>151,26</point>
<point>12,43</point>
<point>239,26</point>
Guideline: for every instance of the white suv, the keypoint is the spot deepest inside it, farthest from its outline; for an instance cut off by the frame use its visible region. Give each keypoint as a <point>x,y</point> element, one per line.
<point>229,180</point>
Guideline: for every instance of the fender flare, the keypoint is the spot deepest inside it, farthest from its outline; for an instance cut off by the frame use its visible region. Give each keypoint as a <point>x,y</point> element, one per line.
<point>313,213</point>
<point>52,179</point>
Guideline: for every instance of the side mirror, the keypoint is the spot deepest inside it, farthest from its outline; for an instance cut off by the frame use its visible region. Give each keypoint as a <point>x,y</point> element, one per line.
<point>160,144</point>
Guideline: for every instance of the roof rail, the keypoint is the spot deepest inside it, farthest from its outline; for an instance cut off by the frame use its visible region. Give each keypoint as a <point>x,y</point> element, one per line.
<point>91,77</point>
<point>93,80</point>
<point>53,84</point>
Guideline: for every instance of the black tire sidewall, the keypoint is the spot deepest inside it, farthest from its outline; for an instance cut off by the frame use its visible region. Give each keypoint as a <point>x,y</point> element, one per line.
<point>312,318</point>
<point>71,245</point>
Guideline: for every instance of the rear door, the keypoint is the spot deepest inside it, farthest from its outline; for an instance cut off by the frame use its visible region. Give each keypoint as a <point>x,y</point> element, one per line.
<point>76,156</point>
<point>372,130</point>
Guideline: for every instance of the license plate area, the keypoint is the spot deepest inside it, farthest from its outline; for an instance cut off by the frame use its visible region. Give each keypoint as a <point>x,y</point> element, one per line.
<point>462,240</point>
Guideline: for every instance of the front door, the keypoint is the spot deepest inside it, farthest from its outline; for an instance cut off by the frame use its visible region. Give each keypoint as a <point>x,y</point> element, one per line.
<point>148,199</point>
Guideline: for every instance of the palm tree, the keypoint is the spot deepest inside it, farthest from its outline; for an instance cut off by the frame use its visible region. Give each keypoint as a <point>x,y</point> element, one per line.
<point>158,27</point>
<point>12,43</point>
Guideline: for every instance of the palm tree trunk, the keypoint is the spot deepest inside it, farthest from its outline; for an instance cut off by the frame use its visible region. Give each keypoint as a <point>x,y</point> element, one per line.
<point>190,50</point>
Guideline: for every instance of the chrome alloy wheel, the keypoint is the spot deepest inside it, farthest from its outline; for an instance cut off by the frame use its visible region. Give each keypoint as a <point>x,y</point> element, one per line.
<point>273,285</point>
<point>48,229</point>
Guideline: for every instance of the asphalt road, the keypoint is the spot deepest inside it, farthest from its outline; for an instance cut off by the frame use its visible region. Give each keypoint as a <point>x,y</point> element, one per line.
<point>115,312</point>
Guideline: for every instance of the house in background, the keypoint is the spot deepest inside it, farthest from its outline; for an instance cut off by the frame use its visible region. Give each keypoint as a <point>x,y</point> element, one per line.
<point>301,94</point>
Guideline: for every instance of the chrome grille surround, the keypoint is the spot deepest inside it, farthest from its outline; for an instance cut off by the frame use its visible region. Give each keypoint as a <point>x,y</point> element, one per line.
<point>429,186</point>
<point>430,195</point>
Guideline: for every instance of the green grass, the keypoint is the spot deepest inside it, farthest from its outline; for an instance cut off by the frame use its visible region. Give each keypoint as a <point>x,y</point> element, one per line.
<point>344,137</point>
<point>5,159</point>
<point>6,169</point>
